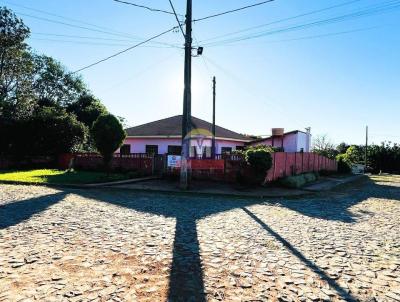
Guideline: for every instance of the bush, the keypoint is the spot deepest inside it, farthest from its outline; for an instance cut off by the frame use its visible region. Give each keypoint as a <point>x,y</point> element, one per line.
<point>343,163</point>
<point>108,135</point>
<point>259,159</point>
<point>298,181</point>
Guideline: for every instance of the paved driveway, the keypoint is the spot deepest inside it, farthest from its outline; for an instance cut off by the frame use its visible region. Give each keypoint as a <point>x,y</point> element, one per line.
<point>99,245</point>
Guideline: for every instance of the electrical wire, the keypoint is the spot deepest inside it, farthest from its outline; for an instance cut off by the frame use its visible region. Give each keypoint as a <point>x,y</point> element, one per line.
<point>232,11</point>
<point>177,19</point>
<point>125,50</point>
<point>308,37</point>
<point>166,45</point>
<point>390,5</point>
<point>96,43</point>
<point>145,7</point>
<point>282,20</point>
<point>87,28</point>
<point>107,29</point>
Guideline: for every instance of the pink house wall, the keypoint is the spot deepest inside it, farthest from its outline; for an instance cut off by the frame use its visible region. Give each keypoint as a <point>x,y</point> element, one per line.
<point>138,145</point>
<point>292,142</point>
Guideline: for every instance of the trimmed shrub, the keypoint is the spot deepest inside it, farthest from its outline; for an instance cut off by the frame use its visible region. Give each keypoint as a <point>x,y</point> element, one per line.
<point>298,181</point>
<point>259,159</point>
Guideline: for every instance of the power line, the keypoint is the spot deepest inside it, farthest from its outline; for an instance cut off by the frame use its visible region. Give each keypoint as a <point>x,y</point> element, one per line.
<point>167,45</point>
<point>96,43</point>
<point>310,37</point>
<point>388,6</point>
<point>145,7</point>
<point>232,11</point>
<point>125,50</point>
<point>177,19</point>
<point>282,20</point>
<point>84,27</point>
<point>109,30</point>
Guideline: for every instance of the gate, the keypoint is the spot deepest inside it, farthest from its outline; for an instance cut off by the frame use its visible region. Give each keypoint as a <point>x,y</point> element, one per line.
<point>158,164</point>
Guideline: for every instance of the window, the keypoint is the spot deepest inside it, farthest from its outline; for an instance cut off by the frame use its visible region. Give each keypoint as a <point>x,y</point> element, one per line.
<point>152,149</point>
<point>125,149</point>
<point>174,150</point>
<point>207,152</point>
<point>226,150</point>
<point>241,148</point>
<point>192,151</point>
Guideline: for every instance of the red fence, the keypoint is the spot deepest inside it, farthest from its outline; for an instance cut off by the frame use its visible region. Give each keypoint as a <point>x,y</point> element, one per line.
<point>225,167</point>
<point>287,164</point>
<point>93,161</point>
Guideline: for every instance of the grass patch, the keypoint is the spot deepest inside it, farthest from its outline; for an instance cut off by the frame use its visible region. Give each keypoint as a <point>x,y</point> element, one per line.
<point>386,178</point>
<point>52,176</point>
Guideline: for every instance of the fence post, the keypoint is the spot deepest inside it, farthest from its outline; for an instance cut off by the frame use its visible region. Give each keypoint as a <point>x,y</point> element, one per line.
<point>285,165</point>
<point>273,171</point>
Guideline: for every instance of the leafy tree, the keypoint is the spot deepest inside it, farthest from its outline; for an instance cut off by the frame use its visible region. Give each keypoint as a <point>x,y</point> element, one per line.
<point>87,109</point>
<point>50,131</point>
<point>342,148</point>
<point>44,109</point>
<point>53,84</point>
<point>108,135</point>
<point>259,159</point>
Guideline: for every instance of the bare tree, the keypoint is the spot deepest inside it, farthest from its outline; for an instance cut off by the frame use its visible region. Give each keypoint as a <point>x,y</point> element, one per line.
<point>324,146</point>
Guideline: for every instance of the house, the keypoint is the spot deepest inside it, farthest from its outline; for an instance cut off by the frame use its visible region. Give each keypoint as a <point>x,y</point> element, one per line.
<point>293,141</point>
<point>164,137</point>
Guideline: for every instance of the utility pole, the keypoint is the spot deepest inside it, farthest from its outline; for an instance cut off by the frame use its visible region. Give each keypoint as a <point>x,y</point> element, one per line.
<point>366,148</point>
<point>213,121</point>
<point>187,100</point>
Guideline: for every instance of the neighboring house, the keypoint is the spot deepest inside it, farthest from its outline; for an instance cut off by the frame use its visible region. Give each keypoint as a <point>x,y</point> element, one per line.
<point>164,137</point>
<point>293,141</point>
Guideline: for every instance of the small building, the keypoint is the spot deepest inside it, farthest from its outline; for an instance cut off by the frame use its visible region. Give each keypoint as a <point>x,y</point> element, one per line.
<point>165,137</point>
<point>293,141</point>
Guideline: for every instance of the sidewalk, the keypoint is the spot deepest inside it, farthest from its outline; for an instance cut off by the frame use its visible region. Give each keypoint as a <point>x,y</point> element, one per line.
<point>225,189</point>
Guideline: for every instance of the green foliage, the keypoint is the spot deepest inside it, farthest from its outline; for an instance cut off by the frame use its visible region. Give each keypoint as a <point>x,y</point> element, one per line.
<point>52,176</point>
<point>87,109</point>
<point>108,135</point>
<point>298,181</point>
<point>384,157</point>
<point>342,148</point>
<point>49,131</point>
<point>259,158</point>
<point>44,109</point>
<point>344,166</point>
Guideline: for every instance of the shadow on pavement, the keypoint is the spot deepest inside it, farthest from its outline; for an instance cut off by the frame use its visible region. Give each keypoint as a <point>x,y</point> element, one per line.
<point>17,212</point>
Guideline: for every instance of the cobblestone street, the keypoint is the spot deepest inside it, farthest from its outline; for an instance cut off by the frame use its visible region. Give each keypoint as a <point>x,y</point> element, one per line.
<point>119,245</point>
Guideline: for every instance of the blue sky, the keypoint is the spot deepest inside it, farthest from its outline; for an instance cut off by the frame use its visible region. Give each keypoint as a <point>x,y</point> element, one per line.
<point>335,77</point>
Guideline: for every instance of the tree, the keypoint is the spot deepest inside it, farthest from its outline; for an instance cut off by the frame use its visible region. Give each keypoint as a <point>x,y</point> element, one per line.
<point>15,60</point>
<point>87,109</point>
<point>322,145</point>
<point>342,148</point>
<point>44,109</point>
<point>259,159</point>
<point>108,135</point>
<point>53,84</point>
<point>50,131</point>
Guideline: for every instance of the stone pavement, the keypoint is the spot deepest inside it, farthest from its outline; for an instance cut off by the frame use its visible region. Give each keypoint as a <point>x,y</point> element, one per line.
<point>110,245</point>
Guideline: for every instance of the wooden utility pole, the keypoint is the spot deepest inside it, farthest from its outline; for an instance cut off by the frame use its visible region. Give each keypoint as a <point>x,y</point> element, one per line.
<point>213,121</point>
<point>366,148</point>
<point>187,101</point>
